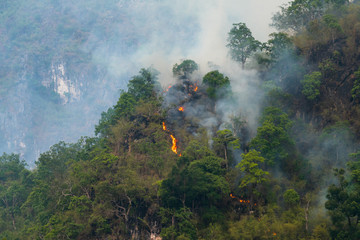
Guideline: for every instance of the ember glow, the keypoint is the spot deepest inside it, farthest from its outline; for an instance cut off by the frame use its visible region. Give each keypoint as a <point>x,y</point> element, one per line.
<point>240,200</point>
<point>168,88</point>
<point>174,147</point>
<point>181,109</point>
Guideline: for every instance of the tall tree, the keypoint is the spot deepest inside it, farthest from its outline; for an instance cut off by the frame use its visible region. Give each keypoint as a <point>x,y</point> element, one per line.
<point>225,140</point>
<point>252,174</point>
<point>241,43</point>
<point>343,202</point>
<point>296,15</point>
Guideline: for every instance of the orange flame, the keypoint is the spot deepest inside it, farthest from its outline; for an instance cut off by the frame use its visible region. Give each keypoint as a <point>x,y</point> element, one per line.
<point>174,147</point>
<point>181,109</point>
<point>166,90</point>
<point>164,126</point>
<point>196,88</point>
<point>274,233</point>
<point>239,199</point>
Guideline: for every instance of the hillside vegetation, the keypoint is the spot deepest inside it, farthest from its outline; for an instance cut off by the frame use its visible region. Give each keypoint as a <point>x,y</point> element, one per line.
<point>156,171</point>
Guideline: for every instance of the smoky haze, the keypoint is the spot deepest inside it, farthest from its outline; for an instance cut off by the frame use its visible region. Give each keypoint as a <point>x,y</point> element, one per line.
<point>64,62</point>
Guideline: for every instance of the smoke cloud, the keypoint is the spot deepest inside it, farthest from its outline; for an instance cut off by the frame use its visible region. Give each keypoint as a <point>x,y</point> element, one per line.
<point>118,41</point>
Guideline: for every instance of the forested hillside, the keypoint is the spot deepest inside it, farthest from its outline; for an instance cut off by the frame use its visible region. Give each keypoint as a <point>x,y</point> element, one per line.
<point>60,57</point>
<point>189,161</point>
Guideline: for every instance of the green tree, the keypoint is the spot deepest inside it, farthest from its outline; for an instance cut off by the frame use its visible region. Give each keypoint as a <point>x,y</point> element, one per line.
<point>241,43</point>
<point>297,14</point>
<point>218,85</point>
<point>145,85</point>
<point>355,91</point>
<point>225,140</point>
<point>272,138</point>
<point>332,24</point>
<point>197,181</point>
<point>291,198</point>
<point>178,224</point>
<point>142,87</point>
<point>252,174</point>
<point>343,202</point>
<point>15,186</point>
<point>279,44</point>
<point>311,84</point>
<point>185,69</point>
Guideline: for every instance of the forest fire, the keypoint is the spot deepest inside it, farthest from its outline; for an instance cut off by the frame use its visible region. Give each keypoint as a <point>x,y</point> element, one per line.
<point>174,147</point>
<point>240,200</point>
<point>174,140</point>
<point>194,87</point>
<point>168,88</point>
<point>181,109</point>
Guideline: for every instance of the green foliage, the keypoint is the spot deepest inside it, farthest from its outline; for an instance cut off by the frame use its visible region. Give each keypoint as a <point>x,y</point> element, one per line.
<point>15,185</point>
<point>143,87</point>
<point>355,91</point>
<point>249,166</point>
<point>297,14</point>
<point>250,227</point>
<point>343,202</point>
<point>224,142</point>
<point>127,183</point>
<point>241,43</point>
<point>278,45</point>
<point>272,138</point>
<point>291,197</point>
<point>185,69</point>
<point>180,224</point>
<point>198,183</point>
<point>311,84</point>
<point>218,86</point>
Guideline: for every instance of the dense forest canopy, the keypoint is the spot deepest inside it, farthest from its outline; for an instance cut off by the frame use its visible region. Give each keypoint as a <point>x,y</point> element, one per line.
<point>185,161</point>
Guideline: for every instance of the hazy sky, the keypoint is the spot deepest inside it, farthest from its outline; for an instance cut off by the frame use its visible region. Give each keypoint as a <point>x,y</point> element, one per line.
<point>215,19</point>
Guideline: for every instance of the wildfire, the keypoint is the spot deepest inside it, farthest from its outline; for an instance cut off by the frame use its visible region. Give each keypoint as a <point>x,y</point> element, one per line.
<point>240,200</point>
<point>174,147</point>
<point>174,140</point>
<point>196,88</point>
<point>168,88</point>
<point>181,109</point>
